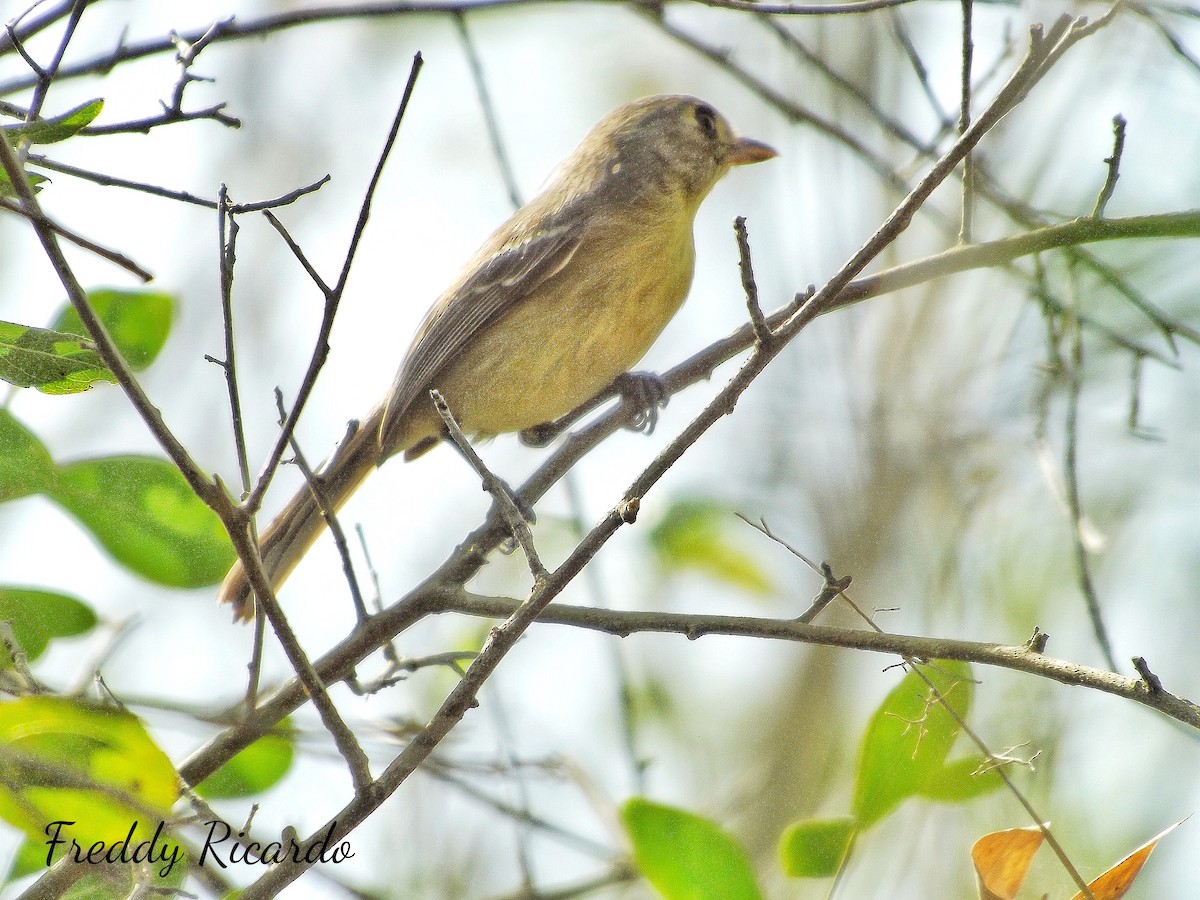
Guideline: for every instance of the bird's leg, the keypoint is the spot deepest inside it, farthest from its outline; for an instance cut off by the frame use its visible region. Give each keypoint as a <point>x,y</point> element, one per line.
<point>644,391</point>
<point>647,392</point>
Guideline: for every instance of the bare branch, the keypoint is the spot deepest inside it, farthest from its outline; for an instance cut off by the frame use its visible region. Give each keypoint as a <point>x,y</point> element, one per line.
<point>1114,166</point>
<point>26,25</point>
<point>117,259</point>
<point>500,492</point>
<point>328,513</point>
<point>801,9</point>
<point>45,76</point>
<point>1017,657</point>
<point>489,111</point>
<point>204,488</point>
<point>964,122</point>
<point>1074,380</point>
<point>762,332</point>
<point>105,180</point>
<point>333,298</point>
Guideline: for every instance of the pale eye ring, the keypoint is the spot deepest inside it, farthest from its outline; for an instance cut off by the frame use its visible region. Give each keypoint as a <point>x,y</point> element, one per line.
<point>706,118</point>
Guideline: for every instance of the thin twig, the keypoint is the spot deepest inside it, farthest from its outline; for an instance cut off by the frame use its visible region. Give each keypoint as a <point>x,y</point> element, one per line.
<point>832,587</point>
<point>343,738</point>
<point>1114,166</point>
<point>985,185</point>
<point>1044,50</point>
<point>227,232</point>
<point>145,125</point>
<point>117,259</point>
<point>1065,236</point>
<point>328,513</point>
<point>626,692</point>
<point>333,298</point>
<point>46,76</point>
<point>489,111</point>
<point>298,252</point>
<point>1136,429</point>
<point>282,200</point>
<point>891,124</point>
<point>498,490</point>
<point>964,122</point>
<point>1087,586</point>
<point>390,653</point>
<point>250,27</point>
<point>620,873</point>
<point>762,331</point>
<point>1176,42</point>
<point>1014,657</point>
<point>900,32</point>
<point>106,180</point>
<point>523,811</point>
<point>206,489</point>
<point>210,491</point>
<point>1038,820</point>
<point>254,665</point>
<point>800,9</point>
<point>444,772</point>
<point>26,25</point>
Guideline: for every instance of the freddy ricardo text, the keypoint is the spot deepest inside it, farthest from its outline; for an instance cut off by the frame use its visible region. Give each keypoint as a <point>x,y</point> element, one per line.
<point>220,847</point>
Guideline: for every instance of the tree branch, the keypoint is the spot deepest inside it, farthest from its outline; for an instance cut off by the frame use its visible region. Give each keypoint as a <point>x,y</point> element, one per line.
<point>1017,657</point>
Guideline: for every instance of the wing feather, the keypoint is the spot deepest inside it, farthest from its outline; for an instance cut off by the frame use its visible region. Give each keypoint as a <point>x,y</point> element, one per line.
<point>495,285</point>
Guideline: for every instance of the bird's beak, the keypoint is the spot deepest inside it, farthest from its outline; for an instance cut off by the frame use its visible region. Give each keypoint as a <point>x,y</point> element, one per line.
<point>747,150</point>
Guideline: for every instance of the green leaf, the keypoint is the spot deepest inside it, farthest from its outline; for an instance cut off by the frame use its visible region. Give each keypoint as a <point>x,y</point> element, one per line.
<point>908,739</point>
<point>40,616</point>
<point>685,856</point>
<point>252,770</point>
<point>961,780</point>
<point>137,321</point>
<point>815,848</point>
<point>34,180</point>
<point>25,464</point>
<point>72,761</point>
<point>54,362</point>
<point>56,128</point>
<point>144,513</point>
<point>139,508</point>
<point>694,535</point>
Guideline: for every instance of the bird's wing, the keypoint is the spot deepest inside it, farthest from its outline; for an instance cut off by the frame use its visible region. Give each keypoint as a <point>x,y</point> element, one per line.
<point>496,284</point>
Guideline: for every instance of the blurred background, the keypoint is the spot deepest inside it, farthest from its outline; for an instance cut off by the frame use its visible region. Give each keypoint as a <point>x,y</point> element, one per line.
<point>915,442</point>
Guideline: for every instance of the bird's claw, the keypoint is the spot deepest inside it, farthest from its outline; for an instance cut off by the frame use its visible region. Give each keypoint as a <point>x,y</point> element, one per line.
<point>647,393</point>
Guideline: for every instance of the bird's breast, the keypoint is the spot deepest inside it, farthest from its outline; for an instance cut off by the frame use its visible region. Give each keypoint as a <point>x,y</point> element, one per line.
<point>567,341</point>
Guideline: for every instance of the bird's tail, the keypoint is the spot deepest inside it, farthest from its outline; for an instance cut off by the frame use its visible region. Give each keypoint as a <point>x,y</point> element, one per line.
<point>300,523</point>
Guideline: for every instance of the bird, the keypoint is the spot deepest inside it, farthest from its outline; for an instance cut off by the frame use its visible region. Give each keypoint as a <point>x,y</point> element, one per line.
<point>563,299</point>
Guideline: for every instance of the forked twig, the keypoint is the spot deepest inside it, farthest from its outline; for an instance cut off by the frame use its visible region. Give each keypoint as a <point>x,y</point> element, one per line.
<point>333,296</point>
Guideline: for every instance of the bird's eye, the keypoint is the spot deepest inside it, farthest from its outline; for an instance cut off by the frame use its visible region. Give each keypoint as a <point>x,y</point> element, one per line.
<point>706,118</point>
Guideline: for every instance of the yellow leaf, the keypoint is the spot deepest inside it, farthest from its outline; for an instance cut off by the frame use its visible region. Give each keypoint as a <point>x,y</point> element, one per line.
<point>1114,883</point>
<point>1002,860</point>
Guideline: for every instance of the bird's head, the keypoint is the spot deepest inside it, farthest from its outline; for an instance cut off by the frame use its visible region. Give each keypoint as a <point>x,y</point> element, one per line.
<point>669,144</point>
